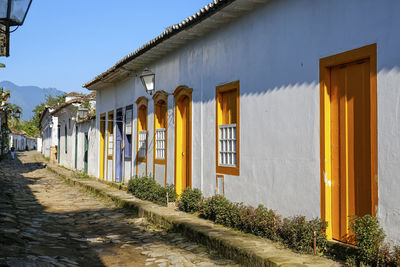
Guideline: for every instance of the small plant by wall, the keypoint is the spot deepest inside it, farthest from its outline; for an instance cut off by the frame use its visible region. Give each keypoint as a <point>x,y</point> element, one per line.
<point>295,232</point>
<point>81,175</point>
<point>190,200</point>
<point>372,248</point>
<point>147,189</point>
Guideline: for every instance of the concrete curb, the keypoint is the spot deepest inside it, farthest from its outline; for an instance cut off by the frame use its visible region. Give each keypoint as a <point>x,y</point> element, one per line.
<point>242,248</point>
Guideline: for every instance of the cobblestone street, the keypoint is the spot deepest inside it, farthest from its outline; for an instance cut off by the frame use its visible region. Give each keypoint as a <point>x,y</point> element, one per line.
<point>46,222</point>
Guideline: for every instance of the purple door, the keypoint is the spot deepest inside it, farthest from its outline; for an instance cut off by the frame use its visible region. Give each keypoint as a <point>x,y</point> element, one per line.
<point>118,159</point>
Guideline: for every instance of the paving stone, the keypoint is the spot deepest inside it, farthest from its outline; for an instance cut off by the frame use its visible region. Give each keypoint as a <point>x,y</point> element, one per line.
<point>49,217</point>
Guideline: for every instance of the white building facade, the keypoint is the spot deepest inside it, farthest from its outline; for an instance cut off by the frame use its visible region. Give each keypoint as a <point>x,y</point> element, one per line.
<point>87,148</point>
<point>49,134</point>
<point>259,102</point>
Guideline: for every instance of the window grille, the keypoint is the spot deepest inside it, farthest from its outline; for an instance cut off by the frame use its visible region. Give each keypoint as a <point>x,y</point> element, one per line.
<point>128,121</point>
<point>160,143</point>
<point>128,146</point>
<point>142,144</point>
<point>227,145</point>
<point>110,144</point>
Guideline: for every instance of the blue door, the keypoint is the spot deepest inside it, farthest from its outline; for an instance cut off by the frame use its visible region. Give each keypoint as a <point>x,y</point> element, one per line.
<point>118,158</point>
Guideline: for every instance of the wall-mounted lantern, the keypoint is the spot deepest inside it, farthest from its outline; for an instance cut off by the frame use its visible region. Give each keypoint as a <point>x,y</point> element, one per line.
<point>17,114</point>
<point>148,80</point>
<point>12,13</point>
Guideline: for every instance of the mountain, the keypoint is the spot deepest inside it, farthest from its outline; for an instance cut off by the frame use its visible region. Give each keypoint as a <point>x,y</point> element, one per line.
<point>27,97</point>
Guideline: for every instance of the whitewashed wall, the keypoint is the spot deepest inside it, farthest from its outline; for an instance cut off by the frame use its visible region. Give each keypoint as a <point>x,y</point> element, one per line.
<point>65,119</point>
<point>31,143</point>
<point>39,144</point>
<point>274,52</point>
<point>49,133</point>
<point>18,142</point>
<point>90,128</point>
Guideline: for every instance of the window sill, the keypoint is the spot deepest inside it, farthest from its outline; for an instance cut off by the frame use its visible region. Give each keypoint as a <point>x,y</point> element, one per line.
<point>228,170</point>
<point>160,161</point>
<point>142,160</point>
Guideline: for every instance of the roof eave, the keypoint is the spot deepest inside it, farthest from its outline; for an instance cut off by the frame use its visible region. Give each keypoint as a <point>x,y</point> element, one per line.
<point>210,16</point>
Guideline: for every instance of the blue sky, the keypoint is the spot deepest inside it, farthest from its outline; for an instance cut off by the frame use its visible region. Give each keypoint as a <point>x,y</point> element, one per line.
<point>65,43</point>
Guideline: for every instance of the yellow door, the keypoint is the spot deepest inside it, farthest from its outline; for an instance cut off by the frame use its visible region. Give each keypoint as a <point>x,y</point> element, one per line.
<point>102,147</point>
<point>183,156</point>
<point>350,144</point>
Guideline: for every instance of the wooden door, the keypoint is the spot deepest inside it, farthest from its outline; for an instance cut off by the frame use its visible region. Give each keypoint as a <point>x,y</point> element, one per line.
<point>183,175</point>
<point>102,144</point>
<point>351,150</point>
<point>118,144</point>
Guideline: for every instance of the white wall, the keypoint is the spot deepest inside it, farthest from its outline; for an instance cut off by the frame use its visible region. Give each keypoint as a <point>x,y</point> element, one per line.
<point>39,144</point>
<point>65,119</point>
<point>274,52</point>
<point>49,133</point>
<point>90,128</point>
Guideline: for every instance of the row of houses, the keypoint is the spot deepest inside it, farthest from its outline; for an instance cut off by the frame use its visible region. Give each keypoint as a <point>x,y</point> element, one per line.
<point>290,104</point>
<point>67,132</point>
<point>21,141</point>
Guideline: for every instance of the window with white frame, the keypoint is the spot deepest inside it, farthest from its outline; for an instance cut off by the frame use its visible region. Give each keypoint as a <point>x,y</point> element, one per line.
<point>160,143</point>
<point>142,144</point>
<point>227,145</point>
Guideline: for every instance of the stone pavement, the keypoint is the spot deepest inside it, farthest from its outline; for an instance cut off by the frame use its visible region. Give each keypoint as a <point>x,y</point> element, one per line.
<point>46,222</point>
<point>243,248</point>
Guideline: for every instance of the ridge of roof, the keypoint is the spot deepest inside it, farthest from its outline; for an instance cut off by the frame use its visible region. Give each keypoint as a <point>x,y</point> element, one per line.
<point>170,31</point>
<point>65,104</point>
<point>73,94</point>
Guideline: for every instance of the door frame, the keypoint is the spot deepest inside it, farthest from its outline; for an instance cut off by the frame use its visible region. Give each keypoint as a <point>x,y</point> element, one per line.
<point>119,133</point>
<point>179,92</point>
<point>108,157</point>
<point>157,97</point>
<point>142,101</point>
<point>102,127</point>
<point>325,64</point>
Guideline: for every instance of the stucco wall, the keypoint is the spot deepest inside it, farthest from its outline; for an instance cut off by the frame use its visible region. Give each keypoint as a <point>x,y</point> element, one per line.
<point>39,144</point>
<point>274,52</point>
<point>49,133</point>
<point>67,156</point>
<point>88,127</point>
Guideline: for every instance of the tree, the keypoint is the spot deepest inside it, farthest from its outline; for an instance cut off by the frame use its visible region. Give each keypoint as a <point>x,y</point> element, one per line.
<point>13,109</point>
<point>4,95</point>
<point>50,101</point>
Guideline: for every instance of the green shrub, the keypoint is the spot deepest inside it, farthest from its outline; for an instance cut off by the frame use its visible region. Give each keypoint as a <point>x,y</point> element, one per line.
<point>396,256</point>
<point>172,195</point>
<point>147,188</point>
<point>220,210</point>
<point>81,175</point>
<point>369,237</point>
<point>190,200</point>
<point>298,233</point>
<point>262,222</point>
